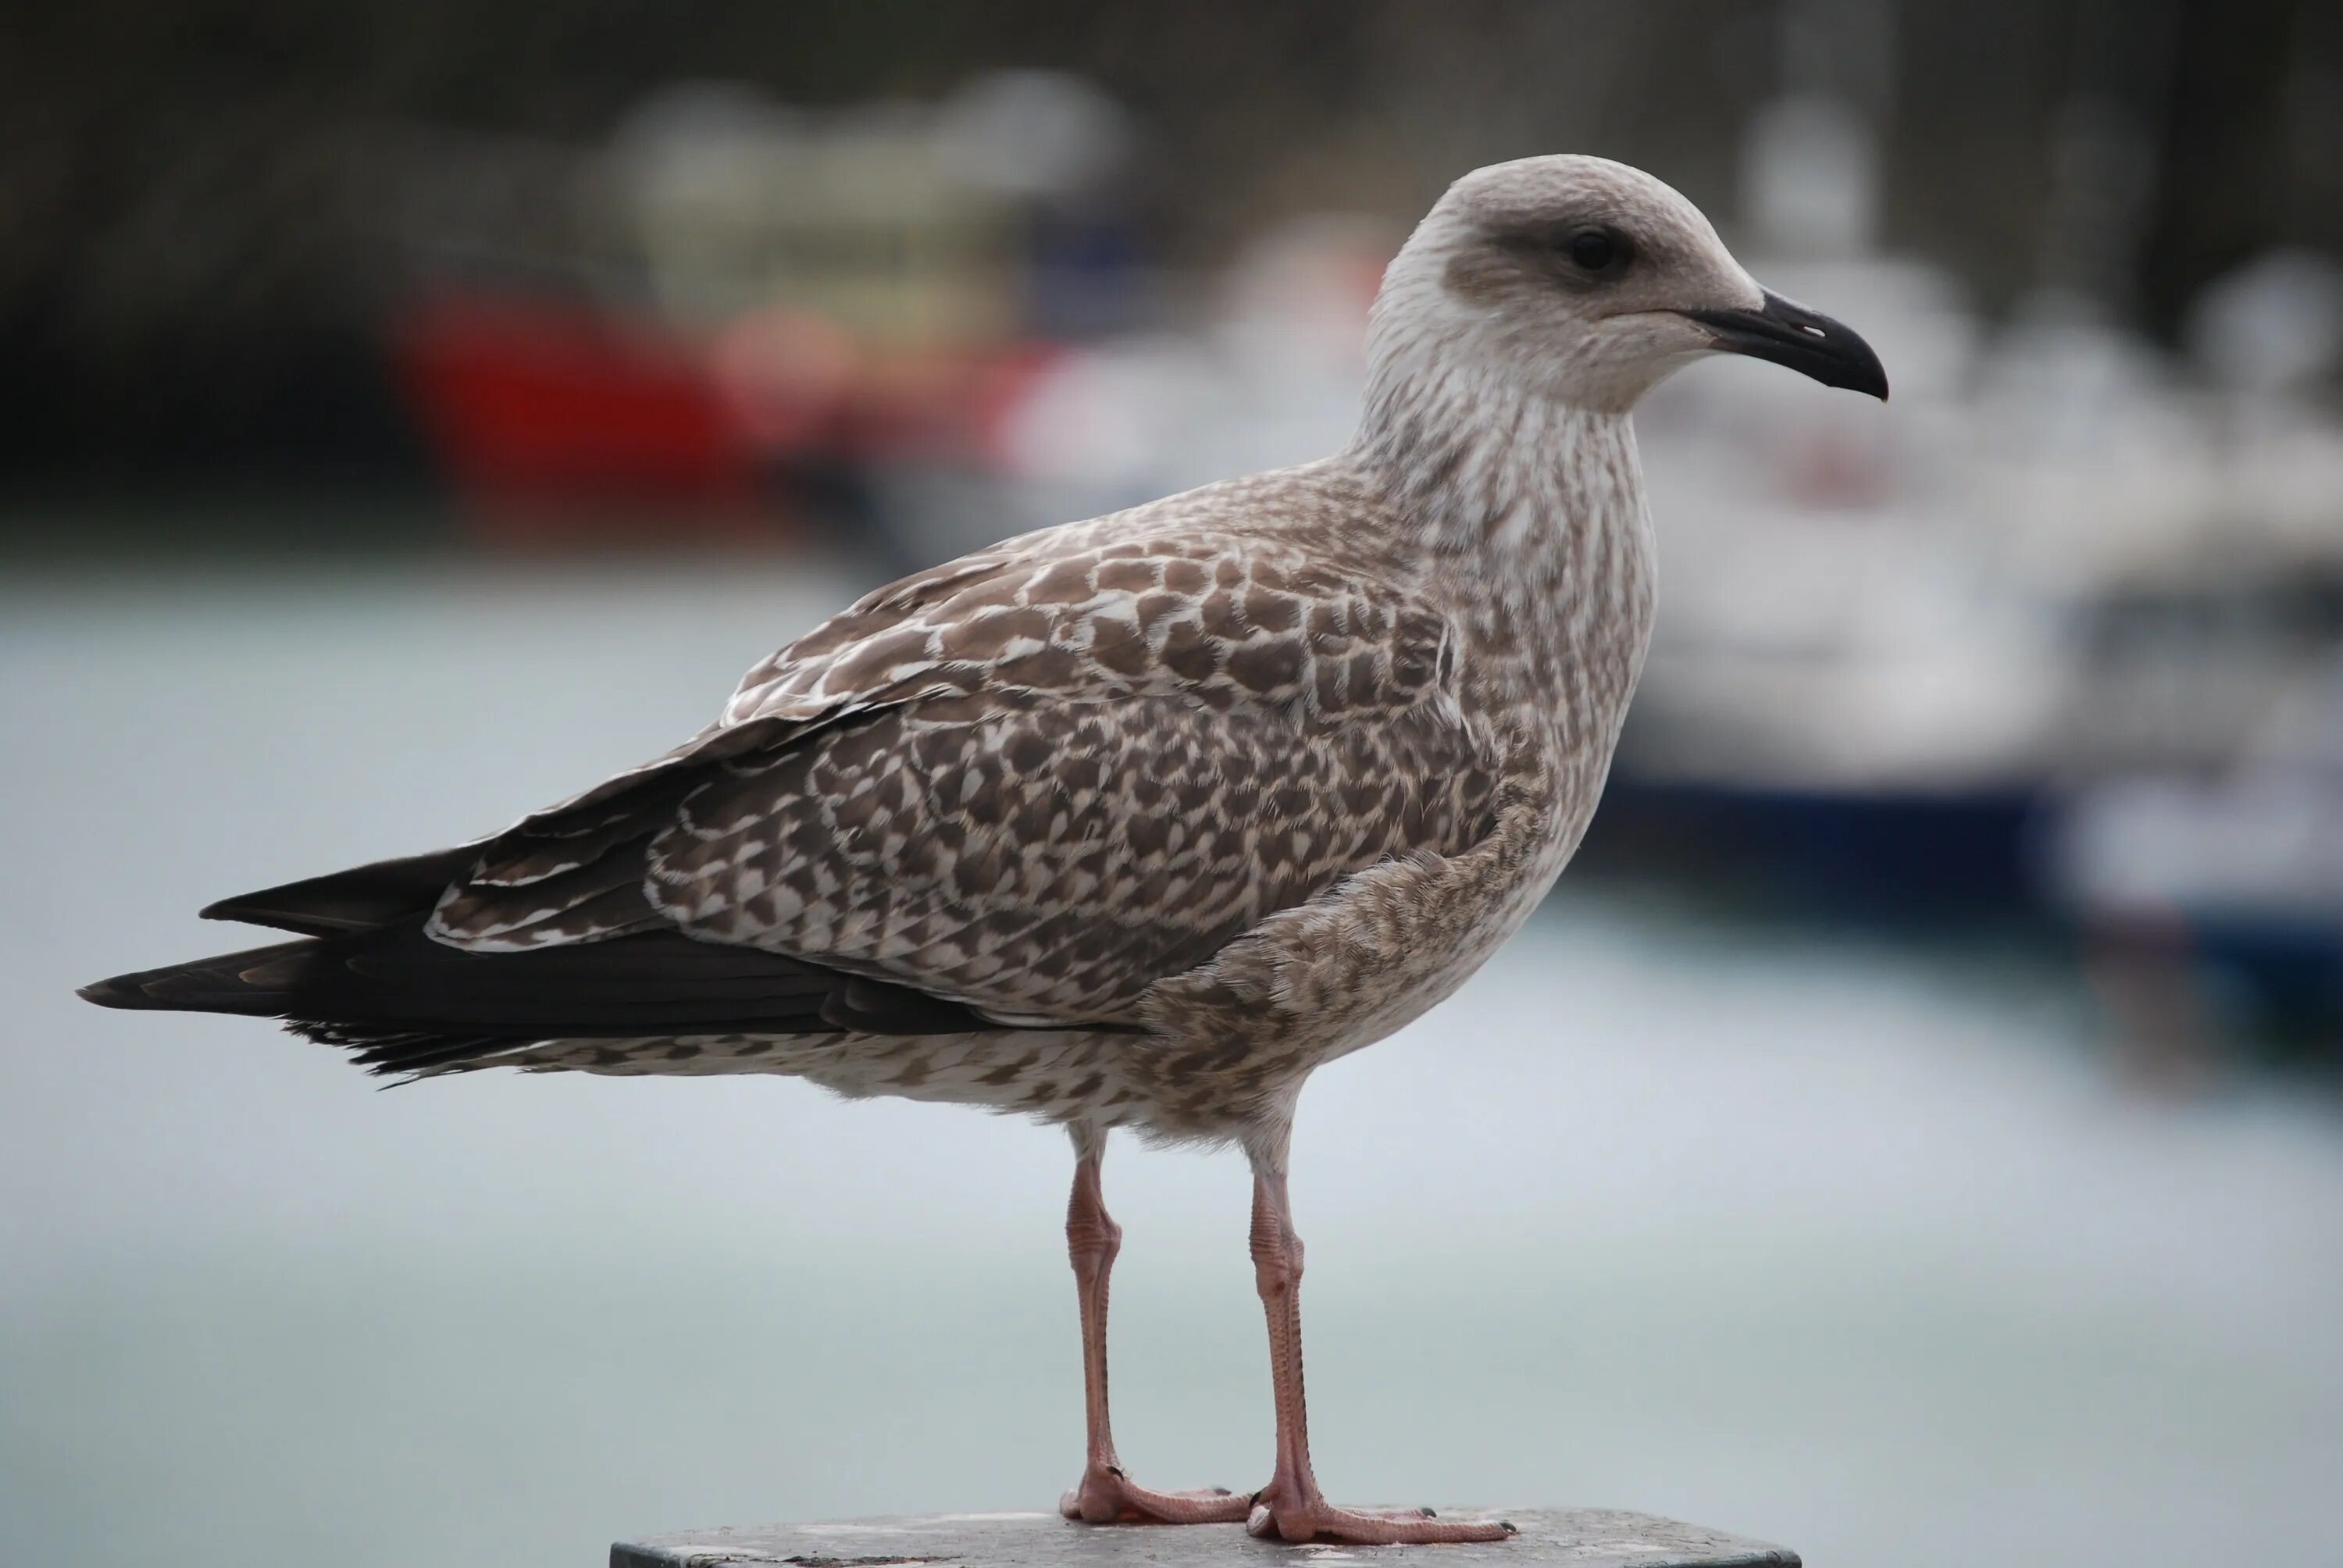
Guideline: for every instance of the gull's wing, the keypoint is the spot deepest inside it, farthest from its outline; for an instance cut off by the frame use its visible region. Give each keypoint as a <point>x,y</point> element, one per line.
<point>1030,784</point>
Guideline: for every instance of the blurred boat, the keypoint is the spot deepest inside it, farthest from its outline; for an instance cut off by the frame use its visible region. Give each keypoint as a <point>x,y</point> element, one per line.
<point>2235,878</point>
<point>1891,650</point>
<point>731,318</point>
<point>542,411</point>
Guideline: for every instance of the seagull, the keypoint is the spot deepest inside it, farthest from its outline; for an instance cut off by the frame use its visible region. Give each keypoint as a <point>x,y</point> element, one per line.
<point>1131,822</point>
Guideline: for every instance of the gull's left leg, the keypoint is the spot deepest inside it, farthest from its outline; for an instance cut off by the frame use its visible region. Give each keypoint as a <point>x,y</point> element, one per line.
<point>1106,1495</point>
<point>1291,1506</point>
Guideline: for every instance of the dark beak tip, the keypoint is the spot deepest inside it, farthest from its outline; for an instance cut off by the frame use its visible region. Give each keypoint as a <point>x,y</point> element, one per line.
<point>1866,373</point>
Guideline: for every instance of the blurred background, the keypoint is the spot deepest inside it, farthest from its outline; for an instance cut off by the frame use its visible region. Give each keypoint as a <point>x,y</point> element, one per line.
<point>1912,1132</point>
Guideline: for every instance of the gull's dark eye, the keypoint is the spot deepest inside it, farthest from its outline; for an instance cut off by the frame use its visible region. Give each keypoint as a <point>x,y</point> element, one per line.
<point>1598,250</point>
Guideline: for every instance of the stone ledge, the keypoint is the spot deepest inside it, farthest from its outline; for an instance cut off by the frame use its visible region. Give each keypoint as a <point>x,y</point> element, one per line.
<point>1579,1537</point>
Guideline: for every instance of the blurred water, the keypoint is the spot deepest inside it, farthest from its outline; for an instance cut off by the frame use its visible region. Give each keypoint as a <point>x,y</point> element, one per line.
<point>1844,1244</point>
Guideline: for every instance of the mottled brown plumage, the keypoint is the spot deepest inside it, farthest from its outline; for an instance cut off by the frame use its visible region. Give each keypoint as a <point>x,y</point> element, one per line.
<point>1133,822</point>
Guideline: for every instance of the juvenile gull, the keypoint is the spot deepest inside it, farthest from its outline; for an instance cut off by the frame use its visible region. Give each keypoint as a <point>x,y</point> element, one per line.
<point>1131,822</point>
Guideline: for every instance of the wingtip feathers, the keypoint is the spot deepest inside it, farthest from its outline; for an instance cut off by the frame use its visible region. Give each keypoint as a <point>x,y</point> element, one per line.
<point>118,991</point>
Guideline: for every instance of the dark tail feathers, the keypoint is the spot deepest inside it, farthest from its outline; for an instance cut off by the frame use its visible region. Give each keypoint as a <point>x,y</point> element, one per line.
<point>407,1003</point>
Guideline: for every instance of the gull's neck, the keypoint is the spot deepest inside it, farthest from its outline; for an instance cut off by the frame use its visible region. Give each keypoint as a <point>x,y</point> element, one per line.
<point>1527,511</point>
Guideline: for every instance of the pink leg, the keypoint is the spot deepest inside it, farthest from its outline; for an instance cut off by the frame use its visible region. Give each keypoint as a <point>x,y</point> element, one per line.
<point>1106,1495</point>
<point>1291,1506</point>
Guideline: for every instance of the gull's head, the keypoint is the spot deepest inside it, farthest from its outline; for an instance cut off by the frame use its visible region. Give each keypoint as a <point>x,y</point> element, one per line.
<point>1587,281</point>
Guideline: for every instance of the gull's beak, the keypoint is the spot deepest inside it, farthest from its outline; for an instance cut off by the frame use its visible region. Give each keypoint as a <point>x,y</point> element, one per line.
<point>1807,341</point>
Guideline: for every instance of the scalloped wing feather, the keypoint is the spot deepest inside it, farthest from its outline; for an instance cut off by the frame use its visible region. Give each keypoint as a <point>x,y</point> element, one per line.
<point>1035,782</point>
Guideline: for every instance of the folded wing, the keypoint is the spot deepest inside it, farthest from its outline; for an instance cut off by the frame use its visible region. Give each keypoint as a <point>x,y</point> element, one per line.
<point>1045,786</point>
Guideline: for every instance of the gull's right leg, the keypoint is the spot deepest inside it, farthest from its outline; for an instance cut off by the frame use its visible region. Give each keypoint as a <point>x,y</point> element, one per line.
<point>1291,1507</point>
<point>1106,1495</point>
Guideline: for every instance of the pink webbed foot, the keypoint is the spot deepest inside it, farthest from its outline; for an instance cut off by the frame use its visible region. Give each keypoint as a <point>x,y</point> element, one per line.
<point>1107,1496</point>
<point>1302,1519</point>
